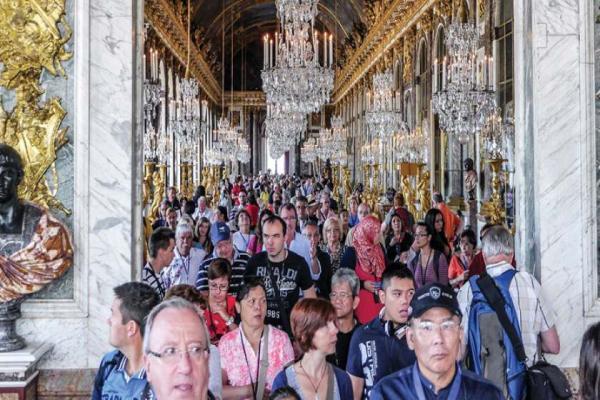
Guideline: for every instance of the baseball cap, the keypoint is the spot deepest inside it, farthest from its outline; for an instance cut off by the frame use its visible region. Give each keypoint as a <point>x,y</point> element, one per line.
<point>431,296</point>
<point>219,231</point>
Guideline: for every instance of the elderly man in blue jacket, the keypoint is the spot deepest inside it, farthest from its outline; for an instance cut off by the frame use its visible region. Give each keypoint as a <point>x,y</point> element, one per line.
<point>435,335</point>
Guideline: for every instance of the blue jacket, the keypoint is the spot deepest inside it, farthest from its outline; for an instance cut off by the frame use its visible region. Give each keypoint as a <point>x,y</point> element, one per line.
<point>401,385</point>
<point>110,383</point>
<point>375,352</point>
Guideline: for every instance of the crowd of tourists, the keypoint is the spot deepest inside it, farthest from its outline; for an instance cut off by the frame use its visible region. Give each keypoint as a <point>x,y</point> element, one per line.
<point>275,289</point>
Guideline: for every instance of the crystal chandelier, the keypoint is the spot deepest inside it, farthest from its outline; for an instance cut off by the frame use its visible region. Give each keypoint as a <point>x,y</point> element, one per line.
<point>185,120</point>
<point>309,150</point>
<point>284,129</point>
<point>382,116</point>
<point>292,75</point>
<point>495,133</point>
<point>465,98</point>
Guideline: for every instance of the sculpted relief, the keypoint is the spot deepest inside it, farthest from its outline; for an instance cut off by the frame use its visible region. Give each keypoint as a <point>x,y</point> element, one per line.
<point>35,247</point>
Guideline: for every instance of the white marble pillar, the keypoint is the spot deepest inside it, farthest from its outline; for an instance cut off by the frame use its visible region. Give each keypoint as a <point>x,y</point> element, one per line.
<point>555,160</point>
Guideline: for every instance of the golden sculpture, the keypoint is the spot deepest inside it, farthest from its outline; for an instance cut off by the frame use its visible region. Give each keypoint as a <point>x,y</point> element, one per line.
<point>347,187</point>
<point>31,41</point>
<point>147,182</point>
<point>424,193</point>
<point>409,195</point>
<point>205,172</point>
<point>158,182</point>
<point>493,208</point>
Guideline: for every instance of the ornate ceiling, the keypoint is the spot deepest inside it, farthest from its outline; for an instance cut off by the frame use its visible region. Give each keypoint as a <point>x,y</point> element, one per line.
<point>250,20</point>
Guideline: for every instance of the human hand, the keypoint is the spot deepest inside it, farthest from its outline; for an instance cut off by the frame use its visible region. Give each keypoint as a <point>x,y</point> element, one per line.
<point>370,286</point>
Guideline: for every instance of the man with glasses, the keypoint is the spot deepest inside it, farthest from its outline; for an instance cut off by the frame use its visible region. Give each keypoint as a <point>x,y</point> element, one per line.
<point>435,335</point>
<point>176,352</point>
<point>325,210</point>
<point>121,374</point>
<point>301,208</point>
<point>344,298</point>
<point>379,348</point>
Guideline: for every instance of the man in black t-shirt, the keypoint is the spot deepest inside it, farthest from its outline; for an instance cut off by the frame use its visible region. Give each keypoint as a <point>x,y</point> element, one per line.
<point>284,273</point>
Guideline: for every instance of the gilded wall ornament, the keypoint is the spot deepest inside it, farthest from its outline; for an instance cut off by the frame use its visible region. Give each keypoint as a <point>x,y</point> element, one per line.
<point>32,40</point>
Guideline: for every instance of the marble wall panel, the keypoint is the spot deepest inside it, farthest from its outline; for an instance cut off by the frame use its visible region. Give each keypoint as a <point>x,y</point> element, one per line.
<point>111,153</point>
<point>554,160</point>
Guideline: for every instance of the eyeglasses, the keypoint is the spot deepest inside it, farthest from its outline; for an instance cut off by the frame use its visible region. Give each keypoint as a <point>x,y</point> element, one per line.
<point>340,295</point>
<point>171,355</point>
<point>421,234</point>
<point>218,288</point>
<point>427,327</point>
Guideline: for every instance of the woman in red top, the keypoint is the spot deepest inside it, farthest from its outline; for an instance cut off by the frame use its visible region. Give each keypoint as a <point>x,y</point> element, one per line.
<point>220,313</point>
<point>253,210</point>
<point>370,264</point>
<point>458,271</point>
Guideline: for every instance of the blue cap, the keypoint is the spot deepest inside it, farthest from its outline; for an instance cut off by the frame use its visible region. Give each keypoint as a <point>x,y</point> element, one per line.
<point>219,231</point>
<point>431,296</point>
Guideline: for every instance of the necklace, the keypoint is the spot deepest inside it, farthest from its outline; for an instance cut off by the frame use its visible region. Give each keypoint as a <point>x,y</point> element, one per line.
<point>254,387</point>
<point>424,274</point>
<point>315,388</point>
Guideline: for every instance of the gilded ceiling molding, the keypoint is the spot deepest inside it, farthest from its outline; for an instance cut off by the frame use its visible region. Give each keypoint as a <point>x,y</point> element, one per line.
<point>246,99</point>
<point>397,19</point>
<point>171,30</point>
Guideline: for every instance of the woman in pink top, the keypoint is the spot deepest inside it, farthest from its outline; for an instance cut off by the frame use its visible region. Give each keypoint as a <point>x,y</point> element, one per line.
<point>243,348</point>
<point>370,263</point>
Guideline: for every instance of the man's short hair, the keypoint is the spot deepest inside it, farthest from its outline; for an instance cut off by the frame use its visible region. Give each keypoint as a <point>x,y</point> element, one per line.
<point>438,198</point>
<point>497,240</point>
<point>346,275</point>
<point>183,228</point>
<point>160,240</point>
<point>289,207</point>
<point>311,222</point>
<point>176,303</point>
<point>186,292</point>
<point>395,270</point>
<point>137,300</point>
<point>275,219</point>
<point>170,210</point>
<point>301,198</point>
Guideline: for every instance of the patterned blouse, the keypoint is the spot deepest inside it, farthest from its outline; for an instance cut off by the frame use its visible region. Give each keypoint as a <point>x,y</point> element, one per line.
<point>234,362</point>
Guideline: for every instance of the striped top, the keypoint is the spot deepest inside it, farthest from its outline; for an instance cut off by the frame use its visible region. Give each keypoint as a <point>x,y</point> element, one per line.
<point>155,281</point>
<point>238,268</point>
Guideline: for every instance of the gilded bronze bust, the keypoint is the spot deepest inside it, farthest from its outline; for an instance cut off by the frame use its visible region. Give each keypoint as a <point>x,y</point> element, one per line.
<point>35,248</point>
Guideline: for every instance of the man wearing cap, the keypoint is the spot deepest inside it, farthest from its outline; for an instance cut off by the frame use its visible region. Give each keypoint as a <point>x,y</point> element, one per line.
<point>379,348</point>
<point>435,335</point>
<point>220,236</point>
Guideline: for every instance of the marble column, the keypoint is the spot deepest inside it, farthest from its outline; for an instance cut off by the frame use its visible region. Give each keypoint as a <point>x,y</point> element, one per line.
<point>107,210</point>
<point>555,161</point>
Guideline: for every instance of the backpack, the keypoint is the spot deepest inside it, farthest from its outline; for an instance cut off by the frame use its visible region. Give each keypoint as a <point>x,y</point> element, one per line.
<point>491,353</point>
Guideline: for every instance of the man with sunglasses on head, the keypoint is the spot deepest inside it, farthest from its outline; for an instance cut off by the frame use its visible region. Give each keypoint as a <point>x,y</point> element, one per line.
<point>435,335</point>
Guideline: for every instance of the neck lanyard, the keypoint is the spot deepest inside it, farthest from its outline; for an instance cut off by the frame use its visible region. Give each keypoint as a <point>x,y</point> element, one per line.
<point>254,388</point>
<point>424,274</point>
<point>454,389</point>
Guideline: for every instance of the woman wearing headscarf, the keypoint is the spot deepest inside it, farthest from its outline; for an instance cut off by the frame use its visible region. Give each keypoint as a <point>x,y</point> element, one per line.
<point>370,264</point>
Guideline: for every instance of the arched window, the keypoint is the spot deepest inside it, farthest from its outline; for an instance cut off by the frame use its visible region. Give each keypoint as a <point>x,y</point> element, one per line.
<point>422,83</point>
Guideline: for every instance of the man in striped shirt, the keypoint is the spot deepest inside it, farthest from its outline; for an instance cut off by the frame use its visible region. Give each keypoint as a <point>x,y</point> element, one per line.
<point>160,252</point>
<point>220,236</point>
